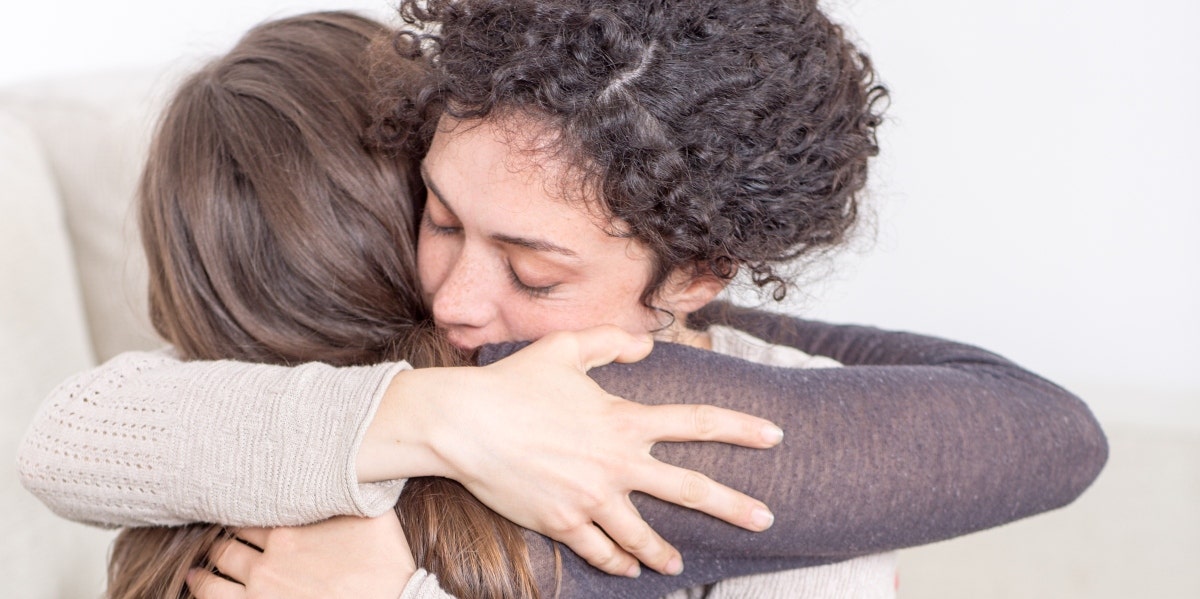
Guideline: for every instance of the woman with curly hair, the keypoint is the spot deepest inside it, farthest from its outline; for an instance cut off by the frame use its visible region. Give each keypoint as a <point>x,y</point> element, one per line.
<point>607,163</point>
<point>619,162</point>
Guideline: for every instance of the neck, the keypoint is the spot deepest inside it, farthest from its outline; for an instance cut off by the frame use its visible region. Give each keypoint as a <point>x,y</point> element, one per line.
<point>681,334</point>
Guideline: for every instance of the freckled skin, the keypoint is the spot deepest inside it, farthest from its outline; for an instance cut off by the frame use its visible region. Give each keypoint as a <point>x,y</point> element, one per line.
<point>502,257</point>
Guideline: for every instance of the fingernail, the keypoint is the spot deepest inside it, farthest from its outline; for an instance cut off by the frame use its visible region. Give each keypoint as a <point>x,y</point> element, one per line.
<point>675,566</point>
<point>634,571</point>
<point>772,434</point>
<point>762,518</point>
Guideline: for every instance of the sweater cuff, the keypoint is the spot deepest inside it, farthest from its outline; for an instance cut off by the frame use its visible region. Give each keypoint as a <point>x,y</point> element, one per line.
<point>375,498</point>
<point>424,585</point>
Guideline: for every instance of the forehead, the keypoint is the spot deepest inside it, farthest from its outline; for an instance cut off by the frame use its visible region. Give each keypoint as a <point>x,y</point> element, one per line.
<point>511,160</point>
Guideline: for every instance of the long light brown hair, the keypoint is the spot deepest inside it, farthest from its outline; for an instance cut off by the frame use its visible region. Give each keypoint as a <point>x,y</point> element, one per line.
<point>275,234</point>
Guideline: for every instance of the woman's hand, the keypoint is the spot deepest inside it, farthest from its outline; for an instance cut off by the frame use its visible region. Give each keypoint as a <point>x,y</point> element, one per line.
<point>343,557</point>
<point>540,443</point>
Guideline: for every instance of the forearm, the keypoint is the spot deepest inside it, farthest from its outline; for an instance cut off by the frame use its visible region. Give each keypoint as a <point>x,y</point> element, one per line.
<point>935,418</point>
<point>940,452</point>
<point>941,440</point>
<point>148,440</point>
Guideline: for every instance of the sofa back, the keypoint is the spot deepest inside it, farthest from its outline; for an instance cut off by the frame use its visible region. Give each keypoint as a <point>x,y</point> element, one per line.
<point>73,289</point>
<point>93,132</point>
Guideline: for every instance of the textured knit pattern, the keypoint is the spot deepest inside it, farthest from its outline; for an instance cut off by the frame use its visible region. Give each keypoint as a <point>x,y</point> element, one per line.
<point>867,577</point>
<point>136,442</point>
<point>424,585</point>
<point>923,440</point>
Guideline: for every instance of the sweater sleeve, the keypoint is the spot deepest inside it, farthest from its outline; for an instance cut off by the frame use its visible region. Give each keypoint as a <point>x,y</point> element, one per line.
<point>424,585</point>
<point>146,439</point>
<point>917,440</point>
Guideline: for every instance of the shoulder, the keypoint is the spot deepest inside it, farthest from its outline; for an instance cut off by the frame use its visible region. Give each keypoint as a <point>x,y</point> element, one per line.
<point>740,344</point>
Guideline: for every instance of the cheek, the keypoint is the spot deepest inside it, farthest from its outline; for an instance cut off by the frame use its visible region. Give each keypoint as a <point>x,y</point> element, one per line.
<point>528,319</point>
<point>616,302</point>
<point>433,261</point>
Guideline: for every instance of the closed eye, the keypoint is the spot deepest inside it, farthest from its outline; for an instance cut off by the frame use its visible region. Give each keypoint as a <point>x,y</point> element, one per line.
<point>436,229</point>
<point>530,290</point>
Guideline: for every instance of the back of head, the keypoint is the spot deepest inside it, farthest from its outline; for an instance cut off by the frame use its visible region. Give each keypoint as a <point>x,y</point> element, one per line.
<point>274,234</point>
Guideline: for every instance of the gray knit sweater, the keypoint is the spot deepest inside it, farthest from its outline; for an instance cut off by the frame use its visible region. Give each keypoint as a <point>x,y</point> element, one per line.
<point>866,577</point>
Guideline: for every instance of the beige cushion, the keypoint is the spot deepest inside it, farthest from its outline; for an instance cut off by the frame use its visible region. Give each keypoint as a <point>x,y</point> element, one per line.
<point>43,339</point>
<point>1135,533</point>
<point>94,132</point>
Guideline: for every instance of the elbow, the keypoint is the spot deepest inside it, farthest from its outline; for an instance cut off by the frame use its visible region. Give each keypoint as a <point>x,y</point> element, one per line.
<point>25,468</point>
<point>33,471</point>
<point>41,476</point>
<point>1094,450</point>
<point>1082,451</point>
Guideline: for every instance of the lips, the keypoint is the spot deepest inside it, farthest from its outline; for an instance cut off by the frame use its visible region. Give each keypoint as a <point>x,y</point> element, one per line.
<point>463,341</point>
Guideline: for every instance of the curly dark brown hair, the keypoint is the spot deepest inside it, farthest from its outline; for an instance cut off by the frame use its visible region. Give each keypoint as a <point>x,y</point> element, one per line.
<point>724,134</point>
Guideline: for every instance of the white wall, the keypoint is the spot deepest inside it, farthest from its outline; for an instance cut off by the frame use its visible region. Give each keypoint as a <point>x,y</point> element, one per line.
<point>1035,196</point>
<point>39,39</point>
<point>1037,192</point>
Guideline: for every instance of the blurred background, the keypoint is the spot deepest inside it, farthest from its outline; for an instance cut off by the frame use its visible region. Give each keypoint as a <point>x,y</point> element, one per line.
<point>1037,194</point>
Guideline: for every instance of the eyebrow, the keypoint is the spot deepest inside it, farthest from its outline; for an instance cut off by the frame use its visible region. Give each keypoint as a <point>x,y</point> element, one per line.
<point>537,245</point>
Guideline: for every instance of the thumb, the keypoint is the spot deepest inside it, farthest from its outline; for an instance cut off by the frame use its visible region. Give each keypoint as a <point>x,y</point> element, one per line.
<point>601,345</point>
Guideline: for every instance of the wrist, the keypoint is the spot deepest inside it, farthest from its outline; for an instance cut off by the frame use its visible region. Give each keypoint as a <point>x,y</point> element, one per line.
<point>399,439</point>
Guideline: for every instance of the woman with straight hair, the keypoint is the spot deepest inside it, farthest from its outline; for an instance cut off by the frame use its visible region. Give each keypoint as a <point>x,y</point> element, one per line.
<point>274,235</point>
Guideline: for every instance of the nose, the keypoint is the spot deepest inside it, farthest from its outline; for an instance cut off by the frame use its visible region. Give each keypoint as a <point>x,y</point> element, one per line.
<point>463,304</point>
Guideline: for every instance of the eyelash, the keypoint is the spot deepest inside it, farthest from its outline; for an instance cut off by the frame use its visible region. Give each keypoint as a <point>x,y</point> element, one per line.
<point>438,230</point>
<point>533,292</point>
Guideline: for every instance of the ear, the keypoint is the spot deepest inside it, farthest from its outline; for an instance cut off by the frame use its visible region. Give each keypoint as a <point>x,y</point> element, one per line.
<point>689,289</point>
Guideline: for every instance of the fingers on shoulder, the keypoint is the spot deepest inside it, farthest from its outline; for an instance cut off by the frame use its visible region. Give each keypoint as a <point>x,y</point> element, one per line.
<point>600,345</point>
<point>627,528</point>
<point>591,544</point>
<point>699,492</point>
<point>702,422</point>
